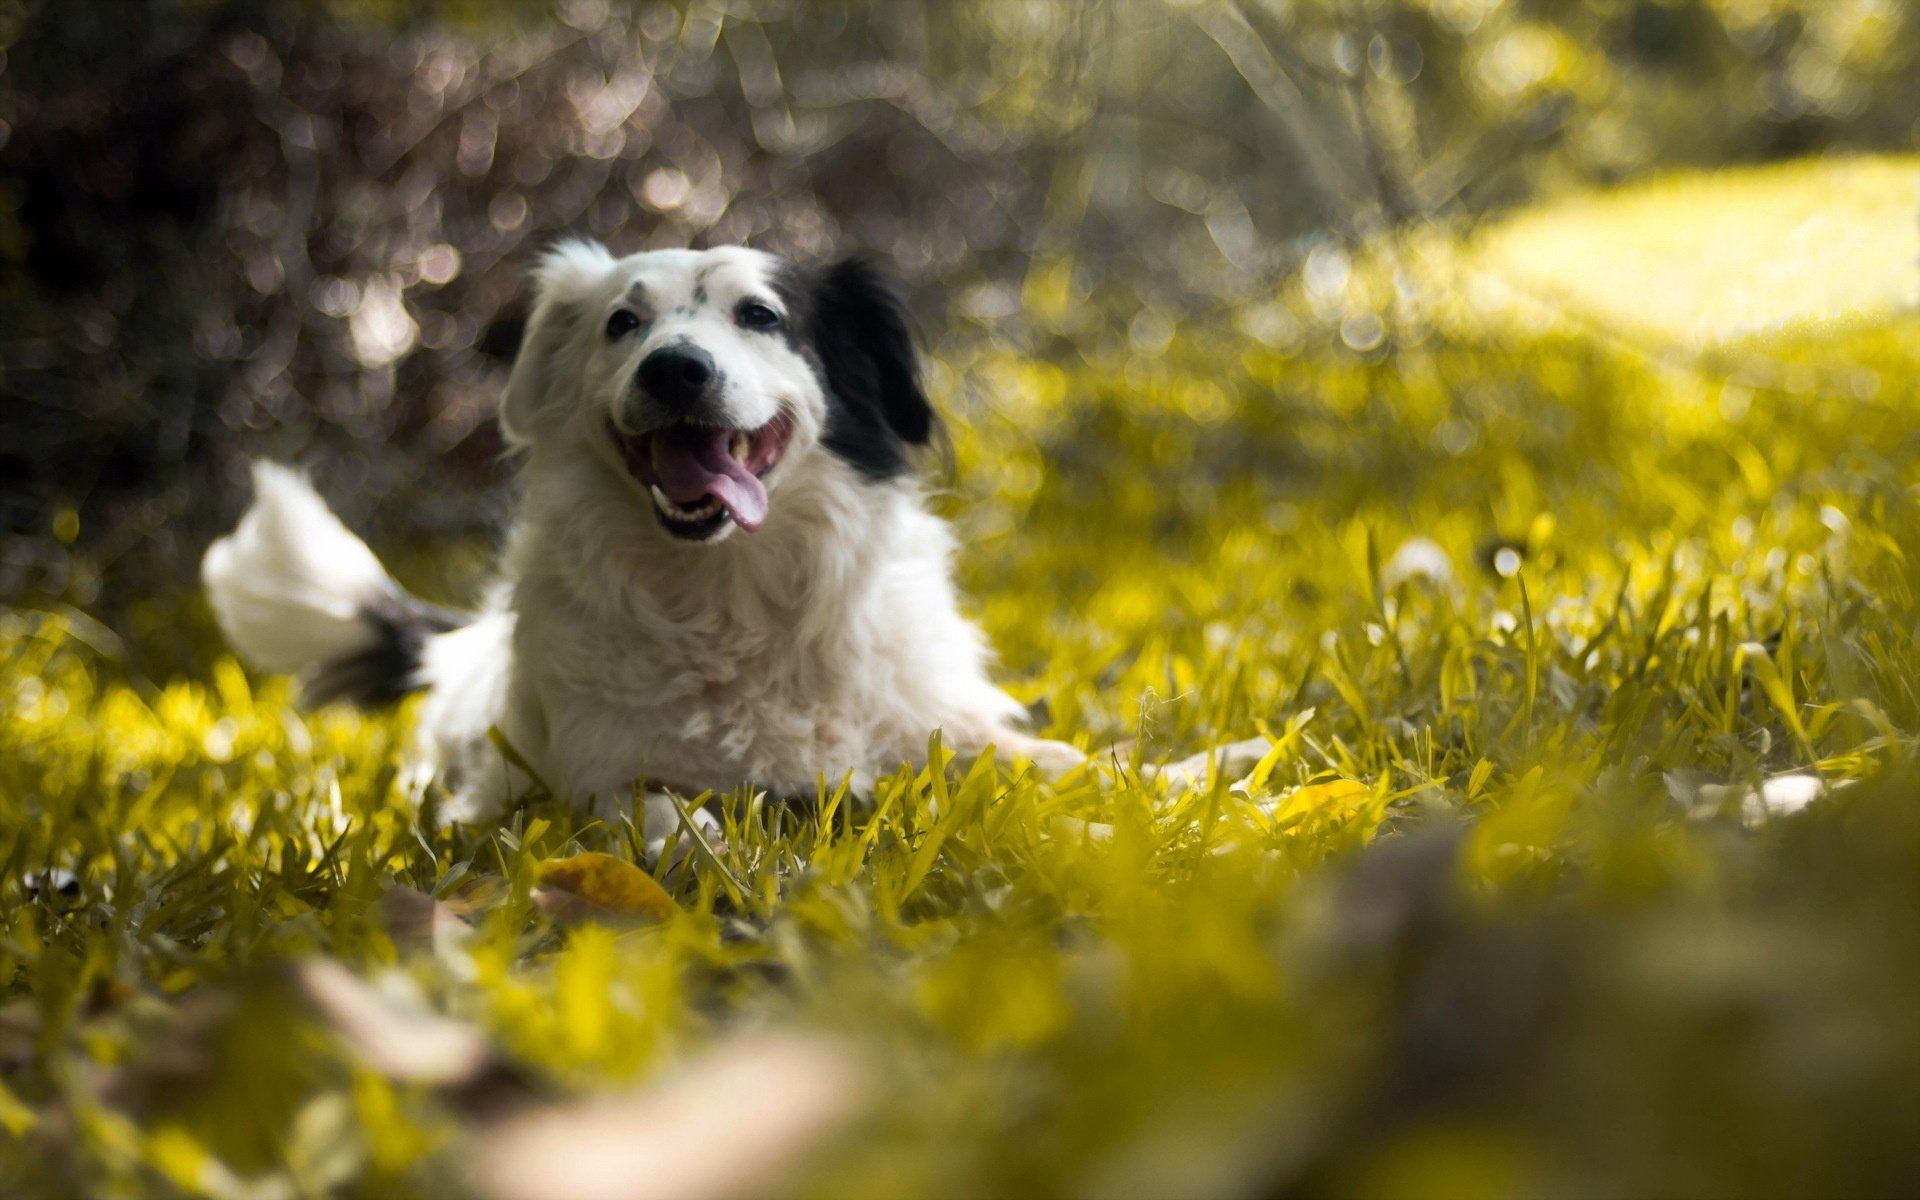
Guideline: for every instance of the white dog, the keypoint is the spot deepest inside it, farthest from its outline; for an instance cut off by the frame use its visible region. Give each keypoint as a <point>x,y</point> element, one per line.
<point>723,572</point>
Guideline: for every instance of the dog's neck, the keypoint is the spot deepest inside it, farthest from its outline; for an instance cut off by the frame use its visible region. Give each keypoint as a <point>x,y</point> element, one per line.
<point>587,534</point>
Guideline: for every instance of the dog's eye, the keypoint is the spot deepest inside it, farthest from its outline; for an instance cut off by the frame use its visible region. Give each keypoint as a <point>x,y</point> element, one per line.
<point>755,315</point>
<point>620,324</point>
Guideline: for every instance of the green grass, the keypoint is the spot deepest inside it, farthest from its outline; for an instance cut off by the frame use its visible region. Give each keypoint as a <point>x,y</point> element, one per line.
<point>1532,949</point>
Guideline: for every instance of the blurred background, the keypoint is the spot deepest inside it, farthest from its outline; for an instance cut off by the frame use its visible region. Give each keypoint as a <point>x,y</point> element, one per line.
<point>1505,404</point>
<point>300,228</point>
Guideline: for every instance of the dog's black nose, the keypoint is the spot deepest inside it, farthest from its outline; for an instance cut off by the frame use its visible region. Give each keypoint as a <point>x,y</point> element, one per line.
<point>677,375</point>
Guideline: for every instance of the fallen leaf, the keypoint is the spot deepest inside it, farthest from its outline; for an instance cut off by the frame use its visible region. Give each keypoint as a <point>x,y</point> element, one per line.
<point>391,1029</point>
<point>414,918</point>
<point>181,1050</point>
<point>19,1033</point>
<point>1336,799</point>
<point>476,895</point>
<point>731,1123</point>
<point>591,885</point>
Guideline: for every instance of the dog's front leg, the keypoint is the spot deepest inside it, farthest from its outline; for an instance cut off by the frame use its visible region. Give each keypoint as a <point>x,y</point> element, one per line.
<point>489,781</point>
<point>1235,760</point>
<point>1052,759</point>
<point>659,820</point>
<point>489,785</point>
<point>656,815</point>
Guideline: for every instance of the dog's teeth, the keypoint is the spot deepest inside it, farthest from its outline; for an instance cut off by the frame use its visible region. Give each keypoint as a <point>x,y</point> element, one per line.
<point>700,512</point>
<point>739,446</point>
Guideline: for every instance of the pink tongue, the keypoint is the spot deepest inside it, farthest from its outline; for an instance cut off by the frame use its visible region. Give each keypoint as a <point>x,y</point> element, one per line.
<point>693,464</point>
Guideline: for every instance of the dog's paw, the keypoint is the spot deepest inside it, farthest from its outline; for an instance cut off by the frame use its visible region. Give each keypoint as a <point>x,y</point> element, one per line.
<point>659,820</point>
<point>1235,760</point>
<point>471,804</point>
<point>1051,759</point>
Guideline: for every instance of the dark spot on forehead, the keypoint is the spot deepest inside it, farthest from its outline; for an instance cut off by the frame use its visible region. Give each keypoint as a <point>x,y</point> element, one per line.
<point>637,294</point>
<point>700,293</point>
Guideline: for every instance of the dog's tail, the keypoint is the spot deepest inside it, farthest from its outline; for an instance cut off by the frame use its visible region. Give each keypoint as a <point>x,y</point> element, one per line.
<point>296,593</point>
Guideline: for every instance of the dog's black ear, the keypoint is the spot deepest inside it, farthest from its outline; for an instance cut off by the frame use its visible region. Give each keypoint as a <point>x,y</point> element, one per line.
<point>858,329</point>
<point>540,388</point>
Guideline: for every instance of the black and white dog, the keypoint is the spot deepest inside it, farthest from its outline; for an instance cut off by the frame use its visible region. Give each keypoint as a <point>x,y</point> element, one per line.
<point>723,572</point>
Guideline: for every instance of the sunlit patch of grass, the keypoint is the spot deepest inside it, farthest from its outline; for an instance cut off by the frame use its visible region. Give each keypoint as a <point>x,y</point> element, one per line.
<point>1707,259</point>
<point>1530,620</point>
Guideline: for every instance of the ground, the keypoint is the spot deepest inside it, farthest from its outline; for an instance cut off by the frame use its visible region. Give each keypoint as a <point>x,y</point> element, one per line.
<point>1586,861</point>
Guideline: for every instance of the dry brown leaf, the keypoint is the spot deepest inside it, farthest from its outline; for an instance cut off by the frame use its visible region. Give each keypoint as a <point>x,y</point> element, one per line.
<point>589,886</point>
<point>475,896</point>
<point>414,918</point>
<point>19,1032</point>
<point>726,1125</point>
<point>391,1030</point>
<point>180,1047</point>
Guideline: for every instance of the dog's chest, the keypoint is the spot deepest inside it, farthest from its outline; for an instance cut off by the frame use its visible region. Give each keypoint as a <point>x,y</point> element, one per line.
<point>709,700</point>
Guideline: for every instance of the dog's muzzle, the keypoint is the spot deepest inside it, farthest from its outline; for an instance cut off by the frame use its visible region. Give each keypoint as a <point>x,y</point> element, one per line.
<point>680,379</point>
<point>702,476</point>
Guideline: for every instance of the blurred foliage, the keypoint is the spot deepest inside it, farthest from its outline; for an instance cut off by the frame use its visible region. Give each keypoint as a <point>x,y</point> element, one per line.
<point>1584,864</point>
<point>300,228</point>
<point>1569,556</point>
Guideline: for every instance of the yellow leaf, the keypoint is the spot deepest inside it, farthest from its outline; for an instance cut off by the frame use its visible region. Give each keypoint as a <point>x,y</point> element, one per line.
<point>603,882</point>
<point>1336,799</point>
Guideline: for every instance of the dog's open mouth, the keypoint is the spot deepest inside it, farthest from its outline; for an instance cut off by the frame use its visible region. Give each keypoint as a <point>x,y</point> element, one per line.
<point>702,476</point>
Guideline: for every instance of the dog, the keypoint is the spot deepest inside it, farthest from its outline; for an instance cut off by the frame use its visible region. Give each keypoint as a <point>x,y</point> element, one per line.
<point>723,570</point>
<point>723,573</point>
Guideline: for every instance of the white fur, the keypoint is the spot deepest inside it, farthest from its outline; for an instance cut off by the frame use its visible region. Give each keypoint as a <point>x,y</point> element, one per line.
<point>288,584</point>
<point>828,641</point>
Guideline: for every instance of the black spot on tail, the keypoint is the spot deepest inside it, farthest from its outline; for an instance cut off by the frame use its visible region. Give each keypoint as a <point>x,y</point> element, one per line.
<point>389,668</point>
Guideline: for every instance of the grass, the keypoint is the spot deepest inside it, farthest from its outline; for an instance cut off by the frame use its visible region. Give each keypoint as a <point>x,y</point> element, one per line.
<point>1531,618</point>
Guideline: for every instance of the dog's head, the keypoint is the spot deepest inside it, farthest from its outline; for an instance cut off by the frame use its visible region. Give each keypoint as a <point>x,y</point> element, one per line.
<point>708,378</point>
